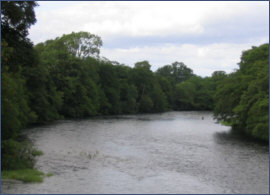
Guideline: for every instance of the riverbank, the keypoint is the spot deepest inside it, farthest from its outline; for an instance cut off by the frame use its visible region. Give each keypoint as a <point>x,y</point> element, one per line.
<point>25,175</point>
<point>18,160</point>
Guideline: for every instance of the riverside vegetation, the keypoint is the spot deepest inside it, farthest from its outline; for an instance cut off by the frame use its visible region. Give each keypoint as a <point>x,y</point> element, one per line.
<point>66,78</point>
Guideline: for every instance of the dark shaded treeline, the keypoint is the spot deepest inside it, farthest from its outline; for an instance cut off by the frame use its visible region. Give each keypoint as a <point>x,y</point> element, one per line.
<point>66,78</point>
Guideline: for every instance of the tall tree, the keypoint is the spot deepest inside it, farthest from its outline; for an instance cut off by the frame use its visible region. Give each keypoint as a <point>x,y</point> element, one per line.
<point>17,54</point>
<point>16,19</point>
<point>82,44</point>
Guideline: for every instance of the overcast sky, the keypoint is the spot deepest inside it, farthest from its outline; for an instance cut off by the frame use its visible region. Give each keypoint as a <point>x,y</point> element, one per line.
<point>206,36</point>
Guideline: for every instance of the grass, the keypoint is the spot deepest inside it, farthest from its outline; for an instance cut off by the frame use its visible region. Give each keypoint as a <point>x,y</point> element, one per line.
<point>25,175</point>
<point>49,174</point>
<point>225,123</point>
<point>18,159</point>
<point>36,152</point>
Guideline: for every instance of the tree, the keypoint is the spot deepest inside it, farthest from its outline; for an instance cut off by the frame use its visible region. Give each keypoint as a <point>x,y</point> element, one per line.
<point>82,44</point>
<point>15,112</point>
<point>184,95</point>
<point>146,104</point>
<point>167,88</point>
<point>158,98</point>
<point>143,64</point>
<point>181,72</point>
<point>176,73</point>
<point>17,53</point>
<point>227,97</point>
<point>16,18</point>
<point>142,77</point>
<point>242,98</point>
<point>165,71</point>
<point>109,83</point>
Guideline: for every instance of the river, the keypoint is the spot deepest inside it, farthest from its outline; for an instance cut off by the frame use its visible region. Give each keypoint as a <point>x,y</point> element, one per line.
<point>173,152</point>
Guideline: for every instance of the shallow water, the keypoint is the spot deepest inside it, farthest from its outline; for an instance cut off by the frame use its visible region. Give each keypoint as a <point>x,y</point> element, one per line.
<point>173,152</point>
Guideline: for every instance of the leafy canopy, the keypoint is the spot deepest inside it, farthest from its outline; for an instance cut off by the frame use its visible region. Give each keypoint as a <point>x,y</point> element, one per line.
<point>82,44</point>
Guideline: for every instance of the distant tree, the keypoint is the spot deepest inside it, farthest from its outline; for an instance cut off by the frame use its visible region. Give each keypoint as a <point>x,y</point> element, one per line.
<point>181,72</point>
<point>176,73</point>
<point>184,95</point>
<point>204,93</point>
<point>167,88</point>
<point>146,104</point>
<point>142,77</point>
<point>109,83</point>
<point>218,74</point>
<point>82,44</point>
<point>143,64</point>
<point>165,71</point>
<point>160,103</point>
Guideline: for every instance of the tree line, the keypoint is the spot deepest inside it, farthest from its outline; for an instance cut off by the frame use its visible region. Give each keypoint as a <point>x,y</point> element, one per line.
<point>66,78</point>
<point>242,98</point>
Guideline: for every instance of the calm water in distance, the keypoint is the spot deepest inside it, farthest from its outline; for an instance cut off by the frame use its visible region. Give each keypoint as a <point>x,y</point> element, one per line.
<point>173,152</point>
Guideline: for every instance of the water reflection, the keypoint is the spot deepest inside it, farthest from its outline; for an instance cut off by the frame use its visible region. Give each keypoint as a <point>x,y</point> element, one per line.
<point>233,137</point>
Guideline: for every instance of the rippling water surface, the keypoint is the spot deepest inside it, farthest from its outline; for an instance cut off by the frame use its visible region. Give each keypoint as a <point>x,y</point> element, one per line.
<point>173,152</point>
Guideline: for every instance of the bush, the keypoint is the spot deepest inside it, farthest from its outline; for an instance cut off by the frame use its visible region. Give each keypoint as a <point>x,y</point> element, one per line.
<point>17,155</point>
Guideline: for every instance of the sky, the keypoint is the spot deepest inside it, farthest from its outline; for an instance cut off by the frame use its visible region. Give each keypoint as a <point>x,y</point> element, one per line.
<point>205,35</point>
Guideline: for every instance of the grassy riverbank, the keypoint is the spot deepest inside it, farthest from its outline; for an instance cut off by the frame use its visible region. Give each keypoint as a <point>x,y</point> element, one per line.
<point>18,159</point>
<point>25,175</point>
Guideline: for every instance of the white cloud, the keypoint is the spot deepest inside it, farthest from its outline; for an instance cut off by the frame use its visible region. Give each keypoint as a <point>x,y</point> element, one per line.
<point>133,18</point>
<point>204,60</point>
<point>206,36</point>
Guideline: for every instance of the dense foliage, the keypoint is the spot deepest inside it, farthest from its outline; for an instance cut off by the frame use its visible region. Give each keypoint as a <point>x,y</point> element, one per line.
<point>17,56</point>
<point>66,78</point>
<point>242,98</point>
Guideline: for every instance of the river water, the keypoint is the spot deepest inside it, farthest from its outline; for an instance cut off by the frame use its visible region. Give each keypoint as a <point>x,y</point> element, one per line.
<point>173,152</point>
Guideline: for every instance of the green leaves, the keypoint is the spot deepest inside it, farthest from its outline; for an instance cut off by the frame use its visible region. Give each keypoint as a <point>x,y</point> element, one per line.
<point>17,16</point>
<point>16,113</point>
<point>243,97</point>
<point>82,44</point>
<point>176,73</point>
<point>184,95</point>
